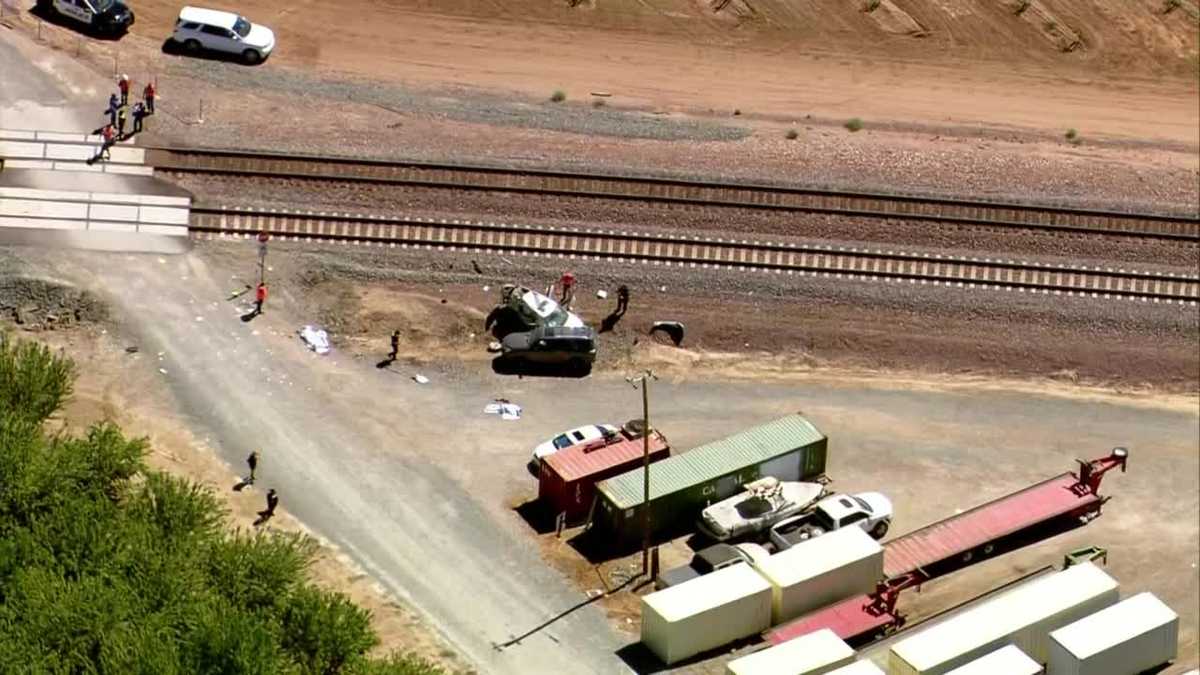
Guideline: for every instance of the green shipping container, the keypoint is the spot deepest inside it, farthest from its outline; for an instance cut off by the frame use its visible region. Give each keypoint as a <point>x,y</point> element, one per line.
<point>789,448</point>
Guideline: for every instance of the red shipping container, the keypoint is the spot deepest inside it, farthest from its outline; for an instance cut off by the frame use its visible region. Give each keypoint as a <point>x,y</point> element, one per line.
<point>567,479</point>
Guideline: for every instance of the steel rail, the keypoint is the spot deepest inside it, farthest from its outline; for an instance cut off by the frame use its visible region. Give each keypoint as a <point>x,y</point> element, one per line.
<point>680,193</point>
<point>696,252</point>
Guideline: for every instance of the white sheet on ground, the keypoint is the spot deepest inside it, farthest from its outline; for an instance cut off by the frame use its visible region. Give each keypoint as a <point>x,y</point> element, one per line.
<point>507,410</point>
<point>316,339</point>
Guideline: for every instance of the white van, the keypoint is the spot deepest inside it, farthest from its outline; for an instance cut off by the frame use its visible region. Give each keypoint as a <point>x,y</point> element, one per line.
<point>219,31</point>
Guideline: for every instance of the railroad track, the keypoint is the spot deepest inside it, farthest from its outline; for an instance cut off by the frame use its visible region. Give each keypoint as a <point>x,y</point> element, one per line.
<point>680,193</point>
<point>621,246</point>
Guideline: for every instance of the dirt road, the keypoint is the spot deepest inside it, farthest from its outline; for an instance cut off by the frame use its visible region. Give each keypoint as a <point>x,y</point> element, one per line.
<point>333,454</point>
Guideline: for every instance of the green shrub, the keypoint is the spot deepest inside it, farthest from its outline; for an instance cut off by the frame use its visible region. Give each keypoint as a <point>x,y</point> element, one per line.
<point>1022,7</point>
<point>106,566</point>
<point>792,134</point>
<point>854,124</point>
<point>558,96</point>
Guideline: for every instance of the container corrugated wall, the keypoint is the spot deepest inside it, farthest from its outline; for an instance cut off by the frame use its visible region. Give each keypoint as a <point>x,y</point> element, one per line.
<point>813,654</point>
<point>705,613</point>
<point>822,571</point>
<point>789,448</point>
<point>1008,660</point>
<point>567,479</point>
<point>1024,616</point>
<point>858,668</point>
<point>1132,636</point>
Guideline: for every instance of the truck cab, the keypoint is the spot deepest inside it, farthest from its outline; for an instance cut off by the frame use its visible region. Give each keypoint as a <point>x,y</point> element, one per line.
<point>111,17</point>
<point>708,560</point>
<point>869,510</point>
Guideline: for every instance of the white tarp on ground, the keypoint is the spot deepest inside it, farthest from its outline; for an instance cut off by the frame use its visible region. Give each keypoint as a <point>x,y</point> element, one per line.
<point>316,339</point>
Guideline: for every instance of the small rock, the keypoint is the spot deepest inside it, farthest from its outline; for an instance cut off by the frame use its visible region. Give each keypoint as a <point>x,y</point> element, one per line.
<point>131,350</point>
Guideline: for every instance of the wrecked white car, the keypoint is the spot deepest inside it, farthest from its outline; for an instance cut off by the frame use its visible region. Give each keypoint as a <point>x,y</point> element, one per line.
<point>765,502</point>
<point>522,309</point>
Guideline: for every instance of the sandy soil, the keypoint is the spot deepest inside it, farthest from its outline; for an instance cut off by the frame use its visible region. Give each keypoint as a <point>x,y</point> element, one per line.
<point>974,62</point>
<point>120,387</point>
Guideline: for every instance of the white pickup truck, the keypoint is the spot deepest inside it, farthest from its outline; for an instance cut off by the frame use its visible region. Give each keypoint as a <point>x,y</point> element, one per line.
<point>869,510</point>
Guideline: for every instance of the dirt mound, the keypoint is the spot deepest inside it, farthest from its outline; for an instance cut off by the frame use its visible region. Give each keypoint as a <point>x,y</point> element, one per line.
<point>35,303</point>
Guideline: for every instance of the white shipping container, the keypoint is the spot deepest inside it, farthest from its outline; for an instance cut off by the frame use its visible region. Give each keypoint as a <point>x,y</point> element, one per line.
<point>858,668</point>
<point>1004,661</point>
<point>822,571</point>
<point>705,612</point>
<point>1130,637</point>
<point>1024,616</point>
<point>812,654</point>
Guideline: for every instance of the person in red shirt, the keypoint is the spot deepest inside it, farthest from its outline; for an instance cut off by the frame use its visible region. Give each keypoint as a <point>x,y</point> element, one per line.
<point>123,85</point>
<point>148,96</point>
<point>260,296</point>
<point>568,289</point>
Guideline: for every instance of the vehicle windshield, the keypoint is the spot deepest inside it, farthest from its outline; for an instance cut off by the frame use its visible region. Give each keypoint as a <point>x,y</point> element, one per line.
<point>562,442</point>
<point>102,5</point>
<point>865,506</point>
<point>241,27</point>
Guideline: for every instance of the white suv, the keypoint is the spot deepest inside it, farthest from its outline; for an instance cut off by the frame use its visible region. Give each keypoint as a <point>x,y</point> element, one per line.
<point>227,32</point>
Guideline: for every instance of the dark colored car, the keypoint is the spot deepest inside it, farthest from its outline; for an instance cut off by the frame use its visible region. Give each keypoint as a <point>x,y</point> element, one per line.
<point>572,347</point>
<point>105,17</point>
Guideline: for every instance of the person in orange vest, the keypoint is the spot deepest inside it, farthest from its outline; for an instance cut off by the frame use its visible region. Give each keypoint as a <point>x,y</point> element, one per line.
<point>123,84</point>
<point>148,96</point>
<point>108,136</point>
<point>260,296</point>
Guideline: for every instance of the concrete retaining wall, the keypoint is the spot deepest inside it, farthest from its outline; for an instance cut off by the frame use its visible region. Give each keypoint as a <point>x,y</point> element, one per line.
<point>81,211</point>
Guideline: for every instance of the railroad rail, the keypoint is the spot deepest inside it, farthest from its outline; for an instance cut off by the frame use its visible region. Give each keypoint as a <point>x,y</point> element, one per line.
<point>680,193</point>
<point>667,249</point>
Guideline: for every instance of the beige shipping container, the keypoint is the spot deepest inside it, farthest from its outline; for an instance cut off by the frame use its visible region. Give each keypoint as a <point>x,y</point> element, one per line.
<point>813,654</point>
<point>858,668</point>
<point>1024,616</point>
<point>822,571</point>
<point>1130,637</point>
<point>705,613</point>
<point>1004,661</point>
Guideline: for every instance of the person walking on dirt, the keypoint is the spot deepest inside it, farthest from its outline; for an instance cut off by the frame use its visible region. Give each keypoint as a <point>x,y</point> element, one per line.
<point>269,512</point>
<point>260,296</point>
<point>123,86</point>
<point>148,96</point>
<point>113,105</point>
<point>252,462</point>
<point>139,114</point>
<point>395,345</point>
<point>567,282</point>
<point>622,300</point>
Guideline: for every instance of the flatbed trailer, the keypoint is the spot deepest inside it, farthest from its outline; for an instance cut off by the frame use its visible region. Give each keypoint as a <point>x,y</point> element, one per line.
<point>1007,523</point>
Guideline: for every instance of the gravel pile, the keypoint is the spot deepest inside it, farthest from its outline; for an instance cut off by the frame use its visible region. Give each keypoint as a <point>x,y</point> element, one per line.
<point>460,104</point>
<point>39,303</point>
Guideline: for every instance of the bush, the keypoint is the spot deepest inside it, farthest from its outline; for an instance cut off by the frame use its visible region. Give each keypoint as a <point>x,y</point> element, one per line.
<point>792,134</point>
<point>1022,7</point>
<point>871,5</point>
<point>854,124</point>
<point>1072,135</point>
<point>558,96</point>
<point>106,566</point>
<point>1171,5</point>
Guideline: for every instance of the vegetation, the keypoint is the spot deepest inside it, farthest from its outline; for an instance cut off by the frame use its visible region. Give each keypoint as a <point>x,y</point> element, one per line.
<point>871,5</point>
<point>1022,7</point>
<point>1171,5</point>
<point>558,96</point>
<point>854,124</point>
<point>792,134</point>
<point>1072,135</point>
<point>107,566</point>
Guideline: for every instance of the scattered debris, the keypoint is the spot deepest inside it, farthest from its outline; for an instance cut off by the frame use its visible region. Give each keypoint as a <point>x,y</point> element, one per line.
<point>316,339</point>
<point>163,371</point>
<point>420,379</point>
<point>506,409</point>
<point>131,350</point>
<point>494,346</point>
<point>602,294</point>
<point>199,318</point>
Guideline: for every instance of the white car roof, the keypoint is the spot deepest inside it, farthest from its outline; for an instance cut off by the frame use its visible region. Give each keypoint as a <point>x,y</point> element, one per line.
<point>211,17</point>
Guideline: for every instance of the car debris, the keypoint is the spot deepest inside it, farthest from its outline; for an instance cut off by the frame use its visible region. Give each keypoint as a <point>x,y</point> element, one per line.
<point>420,379</point>
<point>672,329</point>
<point>524,309</point>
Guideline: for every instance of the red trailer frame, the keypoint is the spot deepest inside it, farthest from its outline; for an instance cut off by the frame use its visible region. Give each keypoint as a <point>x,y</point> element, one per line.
<point>956,542</point>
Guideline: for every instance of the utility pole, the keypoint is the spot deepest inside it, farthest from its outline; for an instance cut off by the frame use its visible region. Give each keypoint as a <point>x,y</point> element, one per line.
<point>262,255</point>
<point>644,381</point>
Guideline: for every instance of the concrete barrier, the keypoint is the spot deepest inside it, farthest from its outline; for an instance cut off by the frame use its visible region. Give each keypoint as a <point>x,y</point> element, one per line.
<point>72,155</point>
